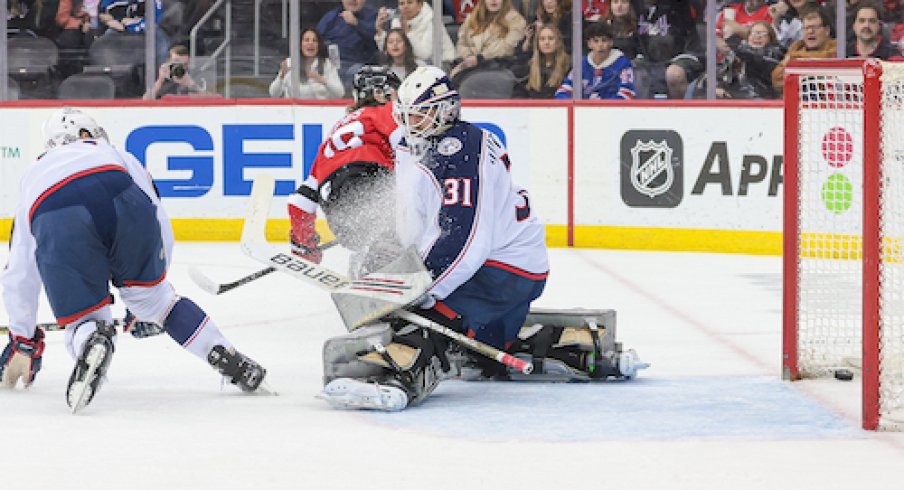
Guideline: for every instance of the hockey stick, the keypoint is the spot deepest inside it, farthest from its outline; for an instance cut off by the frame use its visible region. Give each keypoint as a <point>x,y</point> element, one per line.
<point>209,286</point>
<point>371,296</point>
<point>51,327</point>
<point>503,358</point>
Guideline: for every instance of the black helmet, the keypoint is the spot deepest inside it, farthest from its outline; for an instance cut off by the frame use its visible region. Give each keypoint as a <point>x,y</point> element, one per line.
<point>370,79</point>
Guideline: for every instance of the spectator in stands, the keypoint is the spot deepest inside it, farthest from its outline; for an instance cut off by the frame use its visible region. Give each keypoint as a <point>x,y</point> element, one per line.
<point>551,12</point>
<point>606,72</point>
<point>77,33</point>
<point>736,18</point>
<point>173,77</point>
<point>670,51</point>
<point>786,20</point>
<point>760,54</point>
<point>595,10</point>
<point>126,17</point>
<point>623,20</point>
<point>816,43</point>
<point>319,77</point>
<point>868,41</point>
<point>30,17</point>
<point>541,74</point>
<point>415,18</point>
<point>487,38</point>
<point>745,67</point>
<point>398,55</point>
<point>352,27</point>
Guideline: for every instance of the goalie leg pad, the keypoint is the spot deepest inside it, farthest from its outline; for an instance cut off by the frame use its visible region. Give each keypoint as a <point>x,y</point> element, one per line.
<point>574,345</point>
<point>342,355</point>
<point>379,356</point>
<point>395,356</point>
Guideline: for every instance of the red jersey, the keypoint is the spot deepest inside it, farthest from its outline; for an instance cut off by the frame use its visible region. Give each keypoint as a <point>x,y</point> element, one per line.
<point>741,15</point>
<point>368,134</point>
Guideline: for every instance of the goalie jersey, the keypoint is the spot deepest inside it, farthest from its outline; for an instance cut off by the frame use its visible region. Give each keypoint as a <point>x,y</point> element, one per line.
<point>459,207</point>
<point>21,280</point>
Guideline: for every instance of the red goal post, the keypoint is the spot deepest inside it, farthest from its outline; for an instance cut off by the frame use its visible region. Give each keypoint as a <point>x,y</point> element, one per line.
<point>843,266</point>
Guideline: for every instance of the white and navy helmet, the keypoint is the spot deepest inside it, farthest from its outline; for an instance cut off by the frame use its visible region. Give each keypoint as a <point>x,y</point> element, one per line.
<point>69,124</point>
<point>428,96</point>
<point>374,79</point>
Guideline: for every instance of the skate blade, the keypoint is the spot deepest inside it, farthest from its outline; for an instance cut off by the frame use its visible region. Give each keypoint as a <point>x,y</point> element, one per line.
<point>346,402</point>
<point>80,392</point>
<point>265,390</point>
<point>354,402</point>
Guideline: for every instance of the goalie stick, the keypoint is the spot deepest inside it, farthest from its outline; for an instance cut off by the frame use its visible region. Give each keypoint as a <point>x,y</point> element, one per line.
<point>211,287</point>
<point>503,358</point>
<point>366,299</point>
<point>371,296</point>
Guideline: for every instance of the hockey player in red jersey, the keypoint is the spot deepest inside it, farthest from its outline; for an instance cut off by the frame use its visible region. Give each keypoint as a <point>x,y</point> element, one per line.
<point>352,179</point>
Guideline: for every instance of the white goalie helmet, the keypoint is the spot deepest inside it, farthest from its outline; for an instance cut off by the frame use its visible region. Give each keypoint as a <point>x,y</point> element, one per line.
<point>426,103</point>
<point>69,124</point>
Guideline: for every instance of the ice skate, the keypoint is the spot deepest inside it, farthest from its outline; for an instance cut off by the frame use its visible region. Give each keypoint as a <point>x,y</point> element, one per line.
<point>629,363</point>
<point>239,370</point>
<point>355,394</point>
<point>91,367</point>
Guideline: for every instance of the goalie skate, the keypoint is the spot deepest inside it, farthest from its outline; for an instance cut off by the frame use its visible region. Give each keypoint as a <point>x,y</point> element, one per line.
<point>90,368</point>
<point>348,393</point>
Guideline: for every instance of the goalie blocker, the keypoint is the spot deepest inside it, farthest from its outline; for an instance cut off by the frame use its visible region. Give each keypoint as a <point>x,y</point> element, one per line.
<point>391,365</point>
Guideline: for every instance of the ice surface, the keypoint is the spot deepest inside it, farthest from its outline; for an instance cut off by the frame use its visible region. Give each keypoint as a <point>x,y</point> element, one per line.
<point>710,413</point>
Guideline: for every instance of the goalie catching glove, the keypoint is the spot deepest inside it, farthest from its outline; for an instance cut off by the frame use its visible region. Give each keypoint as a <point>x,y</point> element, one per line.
<point>21,359</point>
<point>303,235</point>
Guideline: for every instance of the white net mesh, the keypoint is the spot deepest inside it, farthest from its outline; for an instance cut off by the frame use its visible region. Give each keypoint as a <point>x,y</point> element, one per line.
<point>891,223</point>
<point>830,212</point>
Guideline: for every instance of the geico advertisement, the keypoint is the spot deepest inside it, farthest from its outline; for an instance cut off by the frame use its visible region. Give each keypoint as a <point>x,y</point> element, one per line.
<point>204,159</point>
<point>679,167</point>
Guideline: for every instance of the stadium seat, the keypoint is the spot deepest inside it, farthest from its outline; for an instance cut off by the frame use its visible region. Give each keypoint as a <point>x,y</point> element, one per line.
<point>87,86</point>
<point>122,58</point>
<point>488,84</point>
<point>30,63</point>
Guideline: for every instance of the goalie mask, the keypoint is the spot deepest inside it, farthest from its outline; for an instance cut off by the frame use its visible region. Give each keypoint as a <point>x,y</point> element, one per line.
<point>67,125</point>
<point>426,103</point>
<point>373,80</point>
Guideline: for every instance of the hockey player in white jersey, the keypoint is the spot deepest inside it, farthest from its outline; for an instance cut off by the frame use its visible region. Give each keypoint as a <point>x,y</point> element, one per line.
<point>478,236</point>
<point>88,215</point>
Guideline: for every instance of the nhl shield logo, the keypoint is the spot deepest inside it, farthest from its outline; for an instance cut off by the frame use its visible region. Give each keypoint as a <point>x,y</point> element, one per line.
<point>651,168</point>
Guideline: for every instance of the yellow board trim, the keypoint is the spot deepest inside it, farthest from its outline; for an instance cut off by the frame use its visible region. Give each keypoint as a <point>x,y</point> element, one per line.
<point>679,240</point>
<point>608,237</point>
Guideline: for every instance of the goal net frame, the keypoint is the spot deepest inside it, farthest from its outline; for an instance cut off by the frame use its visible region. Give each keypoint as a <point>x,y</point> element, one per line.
<point>850,91</point>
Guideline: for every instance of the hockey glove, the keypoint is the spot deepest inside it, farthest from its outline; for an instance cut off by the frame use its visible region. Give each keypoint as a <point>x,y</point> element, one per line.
<point>303,236</point>
<point>139,329</point>
<point>21,359</point>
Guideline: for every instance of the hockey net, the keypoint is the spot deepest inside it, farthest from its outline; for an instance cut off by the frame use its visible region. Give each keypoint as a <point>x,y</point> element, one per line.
<point>843,230</point>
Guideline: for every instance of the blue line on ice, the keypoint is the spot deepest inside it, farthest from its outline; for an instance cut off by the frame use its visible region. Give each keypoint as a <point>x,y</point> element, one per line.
<point>646,408</point>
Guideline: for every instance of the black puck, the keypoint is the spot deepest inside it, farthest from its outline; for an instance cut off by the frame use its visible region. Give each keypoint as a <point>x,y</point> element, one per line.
<point>844,374</point>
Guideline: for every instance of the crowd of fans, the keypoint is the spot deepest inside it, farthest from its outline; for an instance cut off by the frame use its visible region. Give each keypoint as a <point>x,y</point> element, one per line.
<point>630,48</point>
